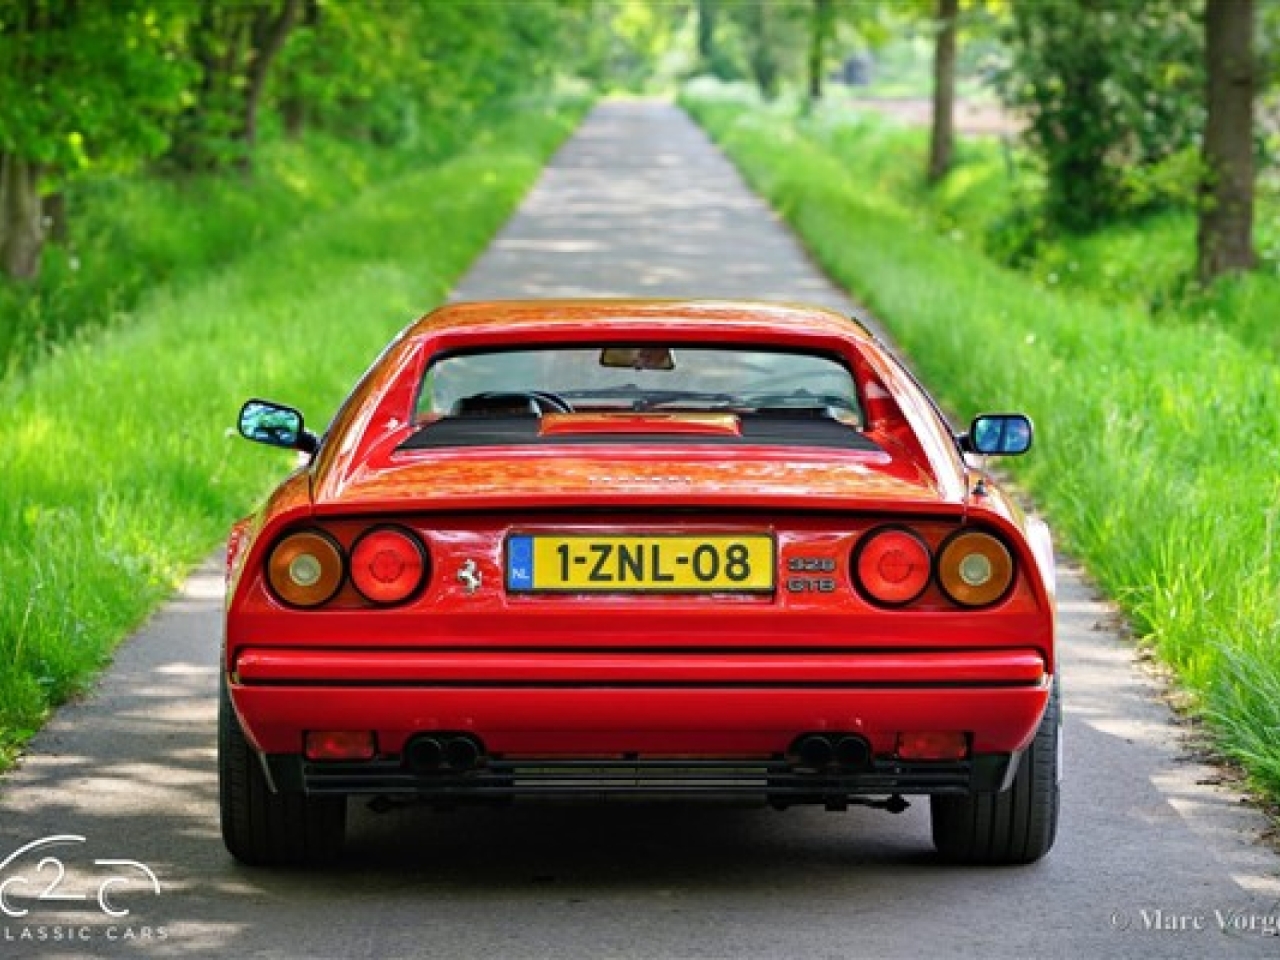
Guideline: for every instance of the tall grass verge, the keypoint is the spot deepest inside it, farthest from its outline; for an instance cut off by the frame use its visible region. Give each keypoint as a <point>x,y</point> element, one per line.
<point>991,199</point>
<point>119,473</point>
<point>1159,445</point>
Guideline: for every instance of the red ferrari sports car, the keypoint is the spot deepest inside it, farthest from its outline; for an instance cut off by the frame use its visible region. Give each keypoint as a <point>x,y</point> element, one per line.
<point>573,549</point>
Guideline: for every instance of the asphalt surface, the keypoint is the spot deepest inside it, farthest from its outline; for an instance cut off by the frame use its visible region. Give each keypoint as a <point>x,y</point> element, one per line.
<point>1152,859</point>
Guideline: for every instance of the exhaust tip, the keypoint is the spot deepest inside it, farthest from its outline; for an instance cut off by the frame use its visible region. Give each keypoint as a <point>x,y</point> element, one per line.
<point>463,753</point>
<point>424,755</point>
<point>814,751</point>
<point>853,752</point>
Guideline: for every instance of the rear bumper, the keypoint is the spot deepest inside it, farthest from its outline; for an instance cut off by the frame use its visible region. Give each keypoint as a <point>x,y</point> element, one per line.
<point>607,705</point>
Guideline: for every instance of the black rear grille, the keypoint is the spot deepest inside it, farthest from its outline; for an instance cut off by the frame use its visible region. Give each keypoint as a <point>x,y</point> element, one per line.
<point>559,778</point>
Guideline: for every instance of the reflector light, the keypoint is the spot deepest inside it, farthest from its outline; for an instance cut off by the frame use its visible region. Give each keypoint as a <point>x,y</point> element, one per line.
<point>388,565</point>
<point>340,745</point>
<point>933,745</point>
<point>891,566</point>
<point>974,569</point>
<point>305,569</point>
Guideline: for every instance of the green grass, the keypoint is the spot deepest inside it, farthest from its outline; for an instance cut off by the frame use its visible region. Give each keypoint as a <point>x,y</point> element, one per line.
<point>119,472</point>
<point>1158,443</point>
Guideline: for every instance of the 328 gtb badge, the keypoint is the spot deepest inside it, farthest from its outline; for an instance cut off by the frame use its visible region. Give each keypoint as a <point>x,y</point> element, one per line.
<point>811,575</point>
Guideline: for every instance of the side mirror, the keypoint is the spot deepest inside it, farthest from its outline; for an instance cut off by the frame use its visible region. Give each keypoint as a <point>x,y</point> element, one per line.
<point>998,434</point>
<point>276,425</point>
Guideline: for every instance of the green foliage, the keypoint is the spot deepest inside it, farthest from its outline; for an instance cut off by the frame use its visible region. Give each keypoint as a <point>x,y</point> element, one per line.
<point>411,75</point>
<point>650,45</point>
<point>119,471</point>
<point>136,233</point>
<point>638,46</point>
<point>234,46</point>
<point>1179,426</point>
<point>992,201</point>
<point>87,83</point>
<point>94,87</point>
<point>1106,85</point>
<point>375,70</point>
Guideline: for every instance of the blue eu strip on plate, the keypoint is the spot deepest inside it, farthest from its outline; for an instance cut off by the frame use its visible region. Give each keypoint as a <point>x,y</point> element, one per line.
<point>520,563</point>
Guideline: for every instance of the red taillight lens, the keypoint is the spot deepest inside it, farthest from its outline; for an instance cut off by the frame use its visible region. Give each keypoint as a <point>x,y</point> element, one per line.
<point>974,569</point>
<point>388,565</point>
<point>305,568</point>
<point>891,566</point>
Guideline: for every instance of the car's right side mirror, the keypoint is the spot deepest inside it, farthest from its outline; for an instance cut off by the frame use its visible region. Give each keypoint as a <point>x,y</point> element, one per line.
<point>998,435</point>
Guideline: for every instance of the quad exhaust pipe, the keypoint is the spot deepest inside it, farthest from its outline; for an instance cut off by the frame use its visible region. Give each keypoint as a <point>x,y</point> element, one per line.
<point>459,753</point>
<point>821,751</point>
<point>443,753</point>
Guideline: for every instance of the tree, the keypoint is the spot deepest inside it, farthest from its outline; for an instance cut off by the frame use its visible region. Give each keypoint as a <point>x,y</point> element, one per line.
<point>822,22</point>
<point>379,70</point>
<point>942,132</point>
<point>1108,86</point>
<point>706,27</point>
<point>1225,236</point>
<point>762,54</point>
<point>235,45</point>
<point>84,85</point>
<point>356,70</point>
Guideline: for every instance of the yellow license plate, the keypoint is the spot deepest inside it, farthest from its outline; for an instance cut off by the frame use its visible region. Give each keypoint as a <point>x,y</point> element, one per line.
<point>653,563</point>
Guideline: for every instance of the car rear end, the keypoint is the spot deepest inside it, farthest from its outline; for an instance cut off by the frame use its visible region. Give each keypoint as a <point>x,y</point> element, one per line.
<point>705,571</point>
<point>802,658</point>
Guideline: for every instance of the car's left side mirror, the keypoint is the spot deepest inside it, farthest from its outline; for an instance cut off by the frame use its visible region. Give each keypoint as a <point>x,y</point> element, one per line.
<point>276,425</point>
<point>998,435</point>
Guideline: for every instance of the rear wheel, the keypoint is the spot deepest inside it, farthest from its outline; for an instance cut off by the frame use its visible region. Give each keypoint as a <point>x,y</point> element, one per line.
<point>263,828</point>
<point>1016,826</point>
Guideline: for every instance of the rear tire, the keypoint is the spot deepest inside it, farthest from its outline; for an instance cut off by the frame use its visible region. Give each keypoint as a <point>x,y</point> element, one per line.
<point>263,828</point>
<point>1013,827</point>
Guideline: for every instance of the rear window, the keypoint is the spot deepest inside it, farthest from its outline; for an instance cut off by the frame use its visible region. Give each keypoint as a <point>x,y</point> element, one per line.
<point>639,377</point>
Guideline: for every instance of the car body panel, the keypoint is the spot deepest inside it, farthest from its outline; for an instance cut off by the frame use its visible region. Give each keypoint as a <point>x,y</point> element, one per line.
<point>706,677</point>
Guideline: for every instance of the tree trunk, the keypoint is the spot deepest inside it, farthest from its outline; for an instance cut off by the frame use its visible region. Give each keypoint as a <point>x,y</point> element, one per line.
<point>21,228</point>
<point>942,137</point>
<point>268,36</point>
<point>822,21</point>
<point>1225,236</point>
<point>293,107</point>
<point>53,210</point>
<point>190,149</point>
<point>762,56</point>
<point>707,35</point>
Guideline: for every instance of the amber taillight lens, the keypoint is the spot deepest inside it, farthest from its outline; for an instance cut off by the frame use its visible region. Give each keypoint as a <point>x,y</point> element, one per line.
<point>891,566</point>
<point>305,568</point>
<point>974,569</point>
<point>388,565</point>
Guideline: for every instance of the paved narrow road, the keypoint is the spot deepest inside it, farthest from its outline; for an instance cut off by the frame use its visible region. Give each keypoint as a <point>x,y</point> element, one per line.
<point>1151,860</point>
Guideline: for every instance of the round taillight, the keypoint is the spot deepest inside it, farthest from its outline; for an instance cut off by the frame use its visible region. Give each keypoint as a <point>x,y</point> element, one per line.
<point>891,566</point>
<point>388,565</point>
<point>305,568</point>
<point>974,569</point>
